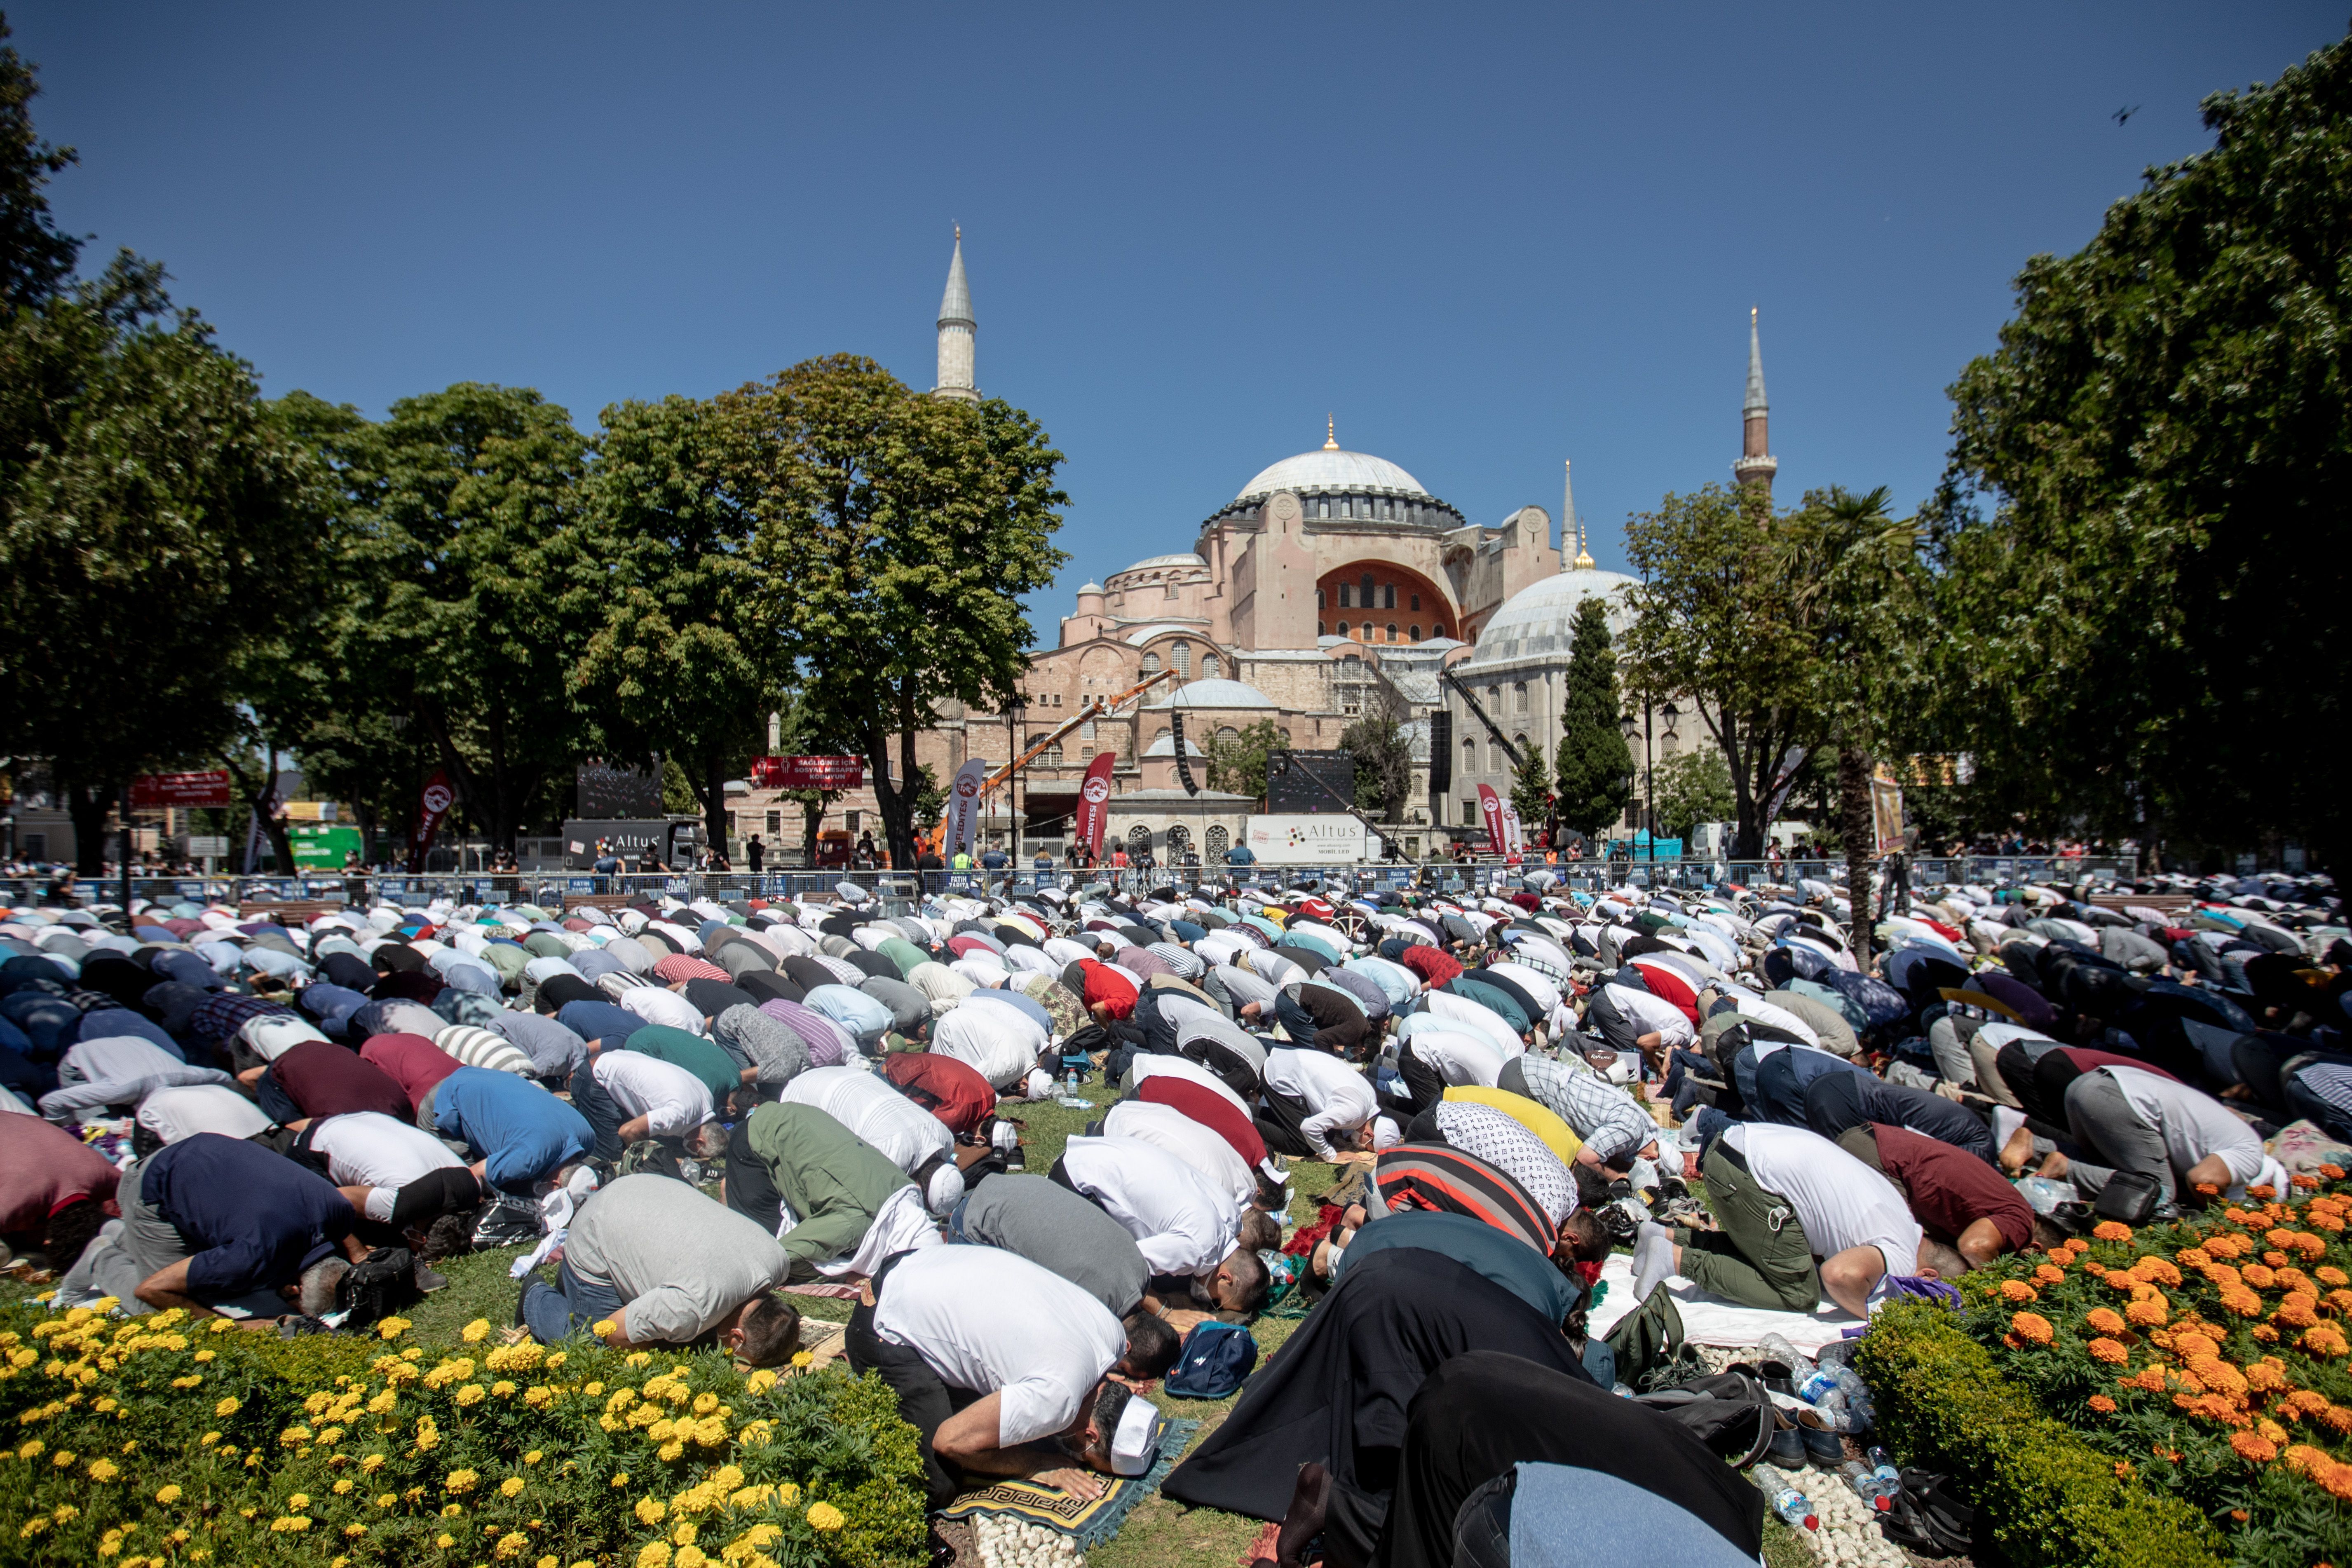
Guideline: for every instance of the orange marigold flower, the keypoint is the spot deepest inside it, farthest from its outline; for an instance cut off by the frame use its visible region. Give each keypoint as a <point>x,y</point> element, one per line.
<point>2278,1237</point>
<point>2303,1402</point>
<point>2148,1378</point>
<point>2170,1456</point>
<point>2264,1191</point>
<point>2147,1314</point>
<point>2303,1183</point>
<point>2341,1300</point>
<point>2275,1258</point>
<point>2103,1404</point>
<point>2156,1271</point>
<point>2108,1351</point>
<point>2272,1430</point>
<point>2243,1302</point>
<point>2192,1257</point>
<point>2189,1381</point>
<point>2259,1276</point>
<point>2299,1312</point>
<point>2335,1417</point>
<point>2331,1222</point>
<point>2336,1481</point>
<point>2296,1279</point>
<point>2328,1274</point>
<point>2332,1172</point>
<point>2305,1460</point>
<point>2209,1189</point>
<point>2105,1320</point>
<point>2111,1230</point>
<point>2267,1375</point>
<point>2326,1339</point>
<point>2223,1275</point>
<point>2095,1270</point>
<point>2252,1448</point>
<point>2046,1275</point>
<point>2188,1346</point>
<point>2019,1290</point>
<point>2265,1333</point>
<point>2031,1327</point>
<point>2312,1247</point>
<point>2123,1469</point>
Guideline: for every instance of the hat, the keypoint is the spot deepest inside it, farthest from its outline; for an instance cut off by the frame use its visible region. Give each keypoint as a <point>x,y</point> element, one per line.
<point>1137,1443</point>
<point>1385,1132</point>
<point>1038,1085</point>
<point>945,1189</point>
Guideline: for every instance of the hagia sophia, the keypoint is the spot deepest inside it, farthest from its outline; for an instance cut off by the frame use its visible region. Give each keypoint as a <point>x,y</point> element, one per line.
<point>1331,584</point>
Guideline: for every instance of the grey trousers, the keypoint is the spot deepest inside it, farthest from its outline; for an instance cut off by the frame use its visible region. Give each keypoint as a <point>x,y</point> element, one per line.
<point>131,1250</point>
<point>2104,1124</point>
<point>1949,1038</point>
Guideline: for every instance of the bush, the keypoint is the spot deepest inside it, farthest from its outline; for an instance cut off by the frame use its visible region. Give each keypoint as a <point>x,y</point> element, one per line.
<point>2050,1498</point>
<point>160,1441</point>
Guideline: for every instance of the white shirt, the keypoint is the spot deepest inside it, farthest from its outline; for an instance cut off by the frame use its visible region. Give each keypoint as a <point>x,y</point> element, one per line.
<point>1159,1064</point>
<point>185,1111</point>
<point>2193,1124</point>
<point>673,1101</point>
<point>1841,1202</point>
<point>991,1321</point>
<point>369,1149</point>
<point>1779,1018</point>
<point>1458,1057</point>
<point>1654,1014</point>
<point>656,1006</point>
<point>906,1134</point>
<point>1483,1020</point>
<point>1181,1223</point>
<point>901,1225</point>
<point>941,985</point>
<point>1165,1126</point>
<point>1000,1044</point>
<point>1337,1095</point>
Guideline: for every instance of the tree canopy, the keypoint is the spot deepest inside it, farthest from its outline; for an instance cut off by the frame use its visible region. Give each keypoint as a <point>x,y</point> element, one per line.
<point>1237,763</point>
<point>1595,767</point>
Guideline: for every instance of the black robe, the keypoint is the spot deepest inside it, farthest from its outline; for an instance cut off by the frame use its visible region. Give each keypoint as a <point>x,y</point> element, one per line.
<point>1337,1392</point>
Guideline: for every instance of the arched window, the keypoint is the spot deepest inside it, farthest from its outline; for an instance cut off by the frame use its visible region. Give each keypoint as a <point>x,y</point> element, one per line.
<point>1319,598</point>
<point>1416,632</point>
<point>1439,630</point>
<point>1227,733</point>
<point>1216,841</point>
<point>1416,601</point>
<point>1469,755</point>
<point>1180,838</point>
<point>1671,744</point>
<point>1393,631</point>
<point>1150,664</point>
<point>1138,837</point>
<point>1494,700</point>
<point>1182,653</point>
<point>1519,695</point>
<point>1367,601</point>
<point>1319,630</point>
<point>1493,756</point>
<point>1346,594</point>
<point>1323,509</point>
<point>1051,757</point>
<point>1388,595</point>
<point>1209,666</point>
<point>1343,628</point>
<point>1521,741</point>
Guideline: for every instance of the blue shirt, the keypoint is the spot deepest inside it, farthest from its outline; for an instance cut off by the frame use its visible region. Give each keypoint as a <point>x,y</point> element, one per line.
<point>497,1112</point>
<point>598,1020</point>
<point>253,1219</point>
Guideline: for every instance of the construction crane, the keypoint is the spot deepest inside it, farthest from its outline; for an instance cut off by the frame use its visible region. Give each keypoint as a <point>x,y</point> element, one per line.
<point>1479,713</point>
<point>1091,709</point>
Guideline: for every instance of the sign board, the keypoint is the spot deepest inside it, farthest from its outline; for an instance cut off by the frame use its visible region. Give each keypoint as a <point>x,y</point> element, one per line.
<point>321,847</point>
<point>808,773</point>
<point>207,788</point>
<point>1304,838</point>
<point>618,789</point>
<point>629,837</point>
<point>201,845</point>
<point>1309,782</point>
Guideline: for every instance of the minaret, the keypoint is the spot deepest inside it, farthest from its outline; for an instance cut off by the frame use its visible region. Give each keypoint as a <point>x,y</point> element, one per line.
<point>956,330</point>
<point>1757,465</point>
<point>1568,520</point>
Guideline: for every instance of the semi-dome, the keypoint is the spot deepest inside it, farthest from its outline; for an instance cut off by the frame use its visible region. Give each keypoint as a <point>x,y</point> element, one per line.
<point>1214,694</point>
<point>1540,619</point>
<point>1333,472</point>
<point>1182,558</point>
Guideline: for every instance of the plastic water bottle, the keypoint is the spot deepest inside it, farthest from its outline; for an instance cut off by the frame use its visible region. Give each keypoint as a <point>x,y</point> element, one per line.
<point>1890,1480</point>
<point>1794,1508</point>
<point>1865,1484</point>
<point>1813,1384</point>
<point>1859,1408</point>
<point>1074,1082</point>
<point>1775,1347</point>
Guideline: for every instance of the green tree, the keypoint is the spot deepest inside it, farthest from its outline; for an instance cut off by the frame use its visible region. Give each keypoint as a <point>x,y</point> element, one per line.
<point>470,591</point>
<point>1692,788</point>
<point>2142,539</point>
<point>1716,618</point>
<point>689,659</point>
<point>1237,764</point>
<point>1531,792</point>
<point>1595,766</point>
<point>907,527</point>
<point>1382,753</point>
<point>36,258</point>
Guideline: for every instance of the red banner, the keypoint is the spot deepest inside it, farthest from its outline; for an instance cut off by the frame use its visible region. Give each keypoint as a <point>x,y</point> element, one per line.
<point>208,787</point>
<point>433,803</point>
<point>808,773</point>
<point>1093,802</point>
<point>1490,806</point>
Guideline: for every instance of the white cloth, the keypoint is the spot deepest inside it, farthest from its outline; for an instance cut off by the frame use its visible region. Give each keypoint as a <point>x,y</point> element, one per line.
<point>1463,1013</point>
<point>903,1133</point>
<point>655,1005</point>
<point>187,1109</point>
<point>1712,1320</point>
<point>1841,1202</point>
<point>369,1149</point>
<point>1167,1128</point>
<point>1000,1044</point>
<point>1653,1014</point>
<point>272,1035</point>
<point>2193,1124</point>
<point>1458,1057</point>
<point>991,1321</point>
<point>673,1101</point>
<point>1181,1223</point>
<point>1335,1094</point>
<point>901,1225</point>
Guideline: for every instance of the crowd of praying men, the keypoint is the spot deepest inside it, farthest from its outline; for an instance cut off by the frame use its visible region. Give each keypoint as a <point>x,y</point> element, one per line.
<point>687,1109</point>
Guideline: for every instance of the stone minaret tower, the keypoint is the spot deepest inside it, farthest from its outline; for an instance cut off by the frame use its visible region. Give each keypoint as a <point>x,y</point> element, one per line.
<point>1570,524</point>
<point>956,330</point>
<point>1757,465</point>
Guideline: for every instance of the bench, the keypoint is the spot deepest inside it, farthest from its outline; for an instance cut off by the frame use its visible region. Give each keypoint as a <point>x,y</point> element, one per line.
<point>290,912</point>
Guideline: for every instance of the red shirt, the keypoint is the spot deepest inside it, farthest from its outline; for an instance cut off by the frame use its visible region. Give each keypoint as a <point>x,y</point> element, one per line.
<point>413,1062</point>
<point>1211,1109</point>
<point>1433,965</point>
<point>1951,1189</point>
<point>43,1167</point>
<point>328,1079</point>
<point>1107,984</point>
<point>2086,1060</point>
<point>947,1088</point>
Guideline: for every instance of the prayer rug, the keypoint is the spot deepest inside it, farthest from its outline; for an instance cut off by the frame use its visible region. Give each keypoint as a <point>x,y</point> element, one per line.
<point>1092,1523</point>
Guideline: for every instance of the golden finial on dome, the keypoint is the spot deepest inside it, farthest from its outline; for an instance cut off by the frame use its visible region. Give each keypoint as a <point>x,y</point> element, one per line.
<point>1330,434</point>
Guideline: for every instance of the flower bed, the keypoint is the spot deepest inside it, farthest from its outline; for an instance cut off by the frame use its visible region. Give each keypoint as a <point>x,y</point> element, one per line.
<point>157,1441</point>
<point>2203,1363</point>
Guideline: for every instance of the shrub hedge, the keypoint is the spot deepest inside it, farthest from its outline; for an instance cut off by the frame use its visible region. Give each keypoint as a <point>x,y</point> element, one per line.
<point>157,1442</point>
<point>2053,1500</point>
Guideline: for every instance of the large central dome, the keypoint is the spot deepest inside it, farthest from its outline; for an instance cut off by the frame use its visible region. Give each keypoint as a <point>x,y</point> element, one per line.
<point>1333,472</point>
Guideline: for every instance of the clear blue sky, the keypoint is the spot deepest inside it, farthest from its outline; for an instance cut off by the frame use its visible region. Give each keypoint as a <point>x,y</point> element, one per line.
<point>1485,238</point>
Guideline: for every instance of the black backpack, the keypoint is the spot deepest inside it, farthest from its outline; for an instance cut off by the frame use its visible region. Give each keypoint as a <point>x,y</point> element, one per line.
<point>1727,1411</point>
<point>378,1288</point>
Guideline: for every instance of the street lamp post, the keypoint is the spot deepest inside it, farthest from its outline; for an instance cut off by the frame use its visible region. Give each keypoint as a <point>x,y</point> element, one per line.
<point>1013,715</point>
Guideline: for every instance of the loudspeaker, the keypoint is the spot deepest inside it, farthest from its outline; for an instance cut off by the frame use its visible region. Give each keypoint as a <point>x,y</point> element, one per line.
<point>1183,763</point>
<point>1441,751</point>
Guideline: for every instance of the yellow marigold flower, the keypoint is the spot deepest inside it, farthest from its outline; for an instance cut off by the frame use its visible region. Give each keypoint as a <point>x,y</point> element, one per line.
<point>691,1557</point>
<point>371,1464</point>
<point>444,1540</point>
<point>824,1517</point>
<point>650,1510</point>
<point>803,1358</point>
<point>298,1502</point>
<point>654,1554</point>
<point>103,1469</point>
<point>227,1406</point>
<point>503,1389</point>
<point>209,1439</point>
<point>670,1450</point>
<point>343,1487</point>
<point>469,1395</point>
<point>602,1327</point>
<point>511,1486</point>
<point>539,1396</point>
<point>2110,1230</point>
<point>761,1381</point>
<point>354,1531</point>
<point>460,1483</point>
<point>533,1457</point>
<point>475,1332</point>
<point>387,1500</point>
<point>710,1431</point>
<point>684,1535</point>
<point>592,1390</point>
<point>453,1511</point>
<point>636,1358</point>
<point>168,1495</point>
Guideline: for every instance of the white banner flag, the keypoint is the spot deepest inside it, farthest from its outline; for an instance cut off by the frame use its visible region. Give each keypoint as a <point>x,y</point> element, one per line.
<point>963,805</point>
